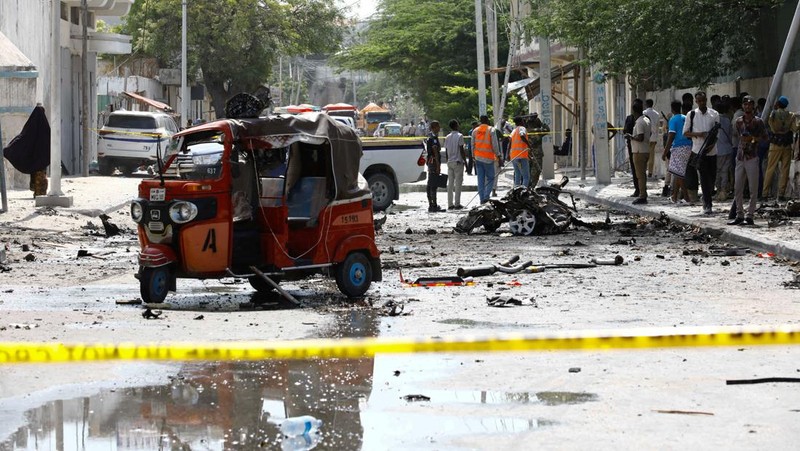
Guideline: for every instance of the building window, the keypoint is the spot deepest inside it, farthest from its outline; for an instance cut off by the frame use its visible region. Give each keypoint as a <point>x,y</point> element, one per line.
<point>64,11</point>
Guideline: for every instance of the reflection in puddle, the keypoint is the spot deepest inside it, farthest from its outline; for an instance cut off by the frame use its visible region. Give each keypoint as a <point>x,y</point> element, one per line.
<point>239,405</point>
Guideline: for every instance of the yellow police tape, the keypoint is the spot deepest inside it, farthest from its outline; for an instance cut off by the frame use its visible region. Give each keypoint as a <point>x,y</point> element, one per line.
<point>368,347</point>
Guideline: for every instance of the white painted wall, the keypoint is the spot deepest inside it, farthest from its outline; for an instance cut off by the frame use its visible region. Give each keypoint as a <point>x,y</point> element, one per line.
<point>114,86</point>
<point>26,23</point>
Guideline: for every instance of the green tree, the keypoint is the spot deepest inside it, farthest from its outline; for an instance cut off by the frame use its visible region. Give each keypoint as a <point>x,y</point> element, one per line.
<point>234,43</point>
<point>427,48</point>
<point>659,44</point>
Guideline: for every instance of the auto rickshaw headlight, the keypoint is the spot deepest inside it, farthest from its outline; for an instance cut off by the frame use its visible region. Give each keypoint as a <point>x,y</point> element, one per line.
<point>182,212</point>
<point>137,212</point>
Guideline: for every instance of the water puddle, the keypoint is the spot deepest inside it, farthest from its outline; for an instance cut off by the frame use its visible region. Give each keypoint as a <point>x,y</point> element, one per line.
<point>240,405</point>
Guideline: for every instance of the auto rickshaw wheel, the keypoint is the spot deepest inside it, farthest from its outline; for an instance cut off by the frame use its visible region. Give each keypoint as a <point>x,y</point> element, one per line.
<point>261,285</point>
<point>354,275</point>
<point>154,284</point>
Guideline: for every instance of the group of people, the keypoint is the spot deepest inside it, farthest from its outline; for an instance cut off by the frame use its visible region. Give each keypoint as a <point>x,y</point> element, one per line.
<point>416,130</point>
<point>486,152</point>
<point>718,148</point>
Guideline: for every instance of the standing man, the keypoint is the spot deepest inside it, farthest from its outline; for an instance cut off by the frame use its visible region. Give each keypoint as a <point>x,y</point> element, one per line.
<point>434,166</point>
<point>749,129</point>
<point>470,163</point>
<point>725,151</point>
<point>536,152</point>
<point>420,128</point>
<point>781,122</point>
<point>653,116</point>
<point>698,123</point>
<point>454,147</point>
<point>640,148</point>
<point>519,154</point>
<point>627,131</point>
<point>485,151</point>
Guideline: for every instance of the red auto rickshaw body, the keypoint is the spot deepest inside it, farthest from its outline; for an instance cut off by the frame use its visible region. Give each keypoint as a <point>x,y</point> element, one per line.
<point>276,195</point>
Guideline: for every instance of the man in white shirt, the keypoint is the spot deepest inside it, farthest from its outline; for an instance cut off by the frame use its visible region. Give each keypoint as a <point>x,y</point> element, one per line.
<point>640,149</point>
<point>698,123</point>
<point>456,157</point>
<point>653,116</point>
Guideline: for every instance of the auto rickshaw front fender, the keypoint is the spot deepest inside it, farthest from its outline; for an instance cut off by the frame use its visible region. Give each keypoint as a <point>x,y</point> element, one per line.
<point>361,243</point>
<point>155,255</point>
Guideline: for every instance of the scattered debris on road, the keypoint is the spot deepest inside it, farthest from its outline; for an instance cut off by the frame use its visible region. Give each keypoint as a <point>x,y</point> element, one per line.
<point>415,398</point>
<point>763,380</point>
<point>151,314</point>
<point>684,412</point>
<point>503,301</point>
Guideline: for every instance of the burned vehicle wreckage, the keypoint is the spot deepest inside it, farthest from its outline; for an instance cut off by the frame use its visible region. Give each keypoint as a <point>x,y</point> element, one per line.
<point>527,211</point>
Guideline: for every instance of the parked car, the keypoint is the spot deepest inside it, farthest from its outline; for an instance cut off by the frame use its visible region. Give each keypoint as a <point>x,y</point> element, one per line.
<point>130,139</point>
<point>388,163</point>
<point>388,129</point>
<point>393,129</point>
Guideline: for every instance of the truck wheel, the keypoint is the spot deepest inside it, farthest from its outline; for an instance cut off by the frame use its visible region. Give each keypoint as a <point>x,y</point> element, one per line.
<point>261,285</point>
<point>154,284</point>
<point>354,275</point>
<point>105,167</point>
<point>383,190</point>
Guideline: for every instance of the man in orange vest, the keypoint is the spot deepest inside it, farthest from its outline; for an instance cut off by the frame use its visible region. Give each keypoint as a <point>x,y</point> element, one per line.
<point>485,150</point>
<point>519,153</point>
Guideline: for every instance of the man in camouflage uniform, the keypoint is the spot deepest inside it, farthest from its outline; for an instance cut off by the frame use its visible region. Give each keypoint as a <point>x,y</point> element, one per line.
<point>536,129</point>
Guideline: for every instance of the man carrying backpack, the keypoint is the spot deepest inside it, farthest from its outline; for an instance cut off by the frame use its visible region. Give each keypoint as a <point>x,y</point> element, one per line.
<point>701,126</point>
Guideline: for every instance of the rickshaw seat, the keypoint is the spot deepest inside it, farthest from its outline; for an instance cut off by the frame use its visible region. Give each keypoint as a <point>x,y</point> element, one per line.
<point>305,200</point>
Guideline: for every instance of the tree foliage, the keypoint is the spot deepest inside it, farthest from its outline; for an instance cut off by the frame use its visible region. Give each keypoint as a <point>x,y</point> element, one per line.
<point>659,44</point>
<point>234,43</point>
<point>424,46</point>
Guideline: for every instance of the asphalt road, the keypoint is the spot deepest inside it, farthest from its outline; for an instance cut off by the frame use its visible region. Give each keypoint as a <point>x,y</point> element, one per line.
<point>672,398</point>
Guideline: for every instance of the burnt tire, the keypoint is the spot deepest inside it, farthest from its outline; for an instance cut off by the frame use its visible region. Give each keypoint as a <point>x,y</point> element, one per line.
<point>354,275</point>
<point>154,284</point>
<point>383,190</point>
<point>261,285</point>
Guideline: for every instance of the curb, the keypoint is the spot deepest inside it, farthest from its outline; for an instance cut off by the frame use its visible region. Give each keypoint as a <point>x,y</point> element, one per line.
<point>725,233</point>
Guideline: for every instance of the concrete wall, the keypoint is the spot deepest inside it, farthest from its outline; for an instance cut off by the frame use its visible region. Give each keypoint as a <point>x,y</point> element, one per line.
<point>26,23</point>
<point>15,94</point>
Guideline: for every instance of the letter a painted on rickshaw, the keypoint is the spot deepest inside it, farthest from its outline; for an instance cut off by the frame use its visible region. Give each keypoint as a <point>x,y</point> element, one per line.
<point>211,241</point>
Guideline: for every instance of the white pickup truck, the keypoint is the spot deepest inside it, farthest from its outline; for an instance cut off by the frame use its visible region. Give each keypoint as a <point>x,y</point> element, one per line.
<point>389,162</point>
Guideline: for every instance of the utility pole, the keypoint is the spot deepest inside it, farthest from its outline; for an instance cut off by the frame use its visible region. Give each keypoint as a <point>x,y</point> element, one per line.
<point>787,50</point>
<point>55,197</point>
<point>581,133</point>
<point>546,95</point>
<point>512,52</point>
<point>185,96</point>
<point>491,31</point>
<point>86,90</point>
<point>481,66</point>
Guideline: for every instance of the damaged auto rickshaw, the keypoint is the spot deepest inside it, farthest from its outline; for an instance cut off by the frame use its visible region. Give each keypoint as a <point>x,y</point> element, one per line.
<point>267,199</point>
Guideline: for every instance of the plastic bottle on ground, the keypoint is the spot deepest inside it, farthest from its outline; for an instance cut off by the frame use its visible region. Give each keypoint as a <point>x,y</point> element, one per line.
<point>295,426</point>
<point>304,442</point>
